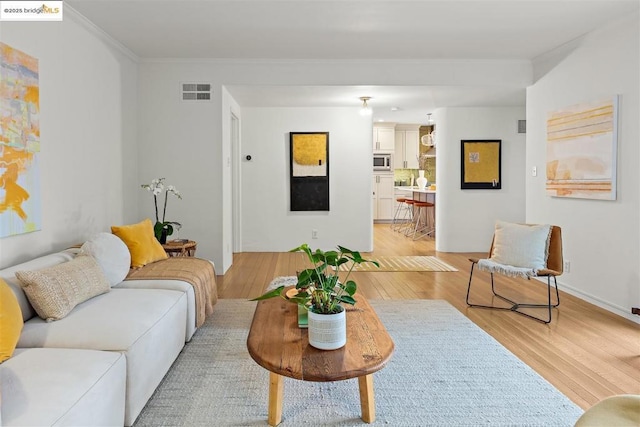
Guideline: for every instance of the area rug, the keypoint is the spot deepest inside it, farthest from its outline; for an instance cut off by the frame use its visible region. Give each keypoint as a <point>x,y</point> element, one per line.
<point>445,371</point>
<point>403,263</point>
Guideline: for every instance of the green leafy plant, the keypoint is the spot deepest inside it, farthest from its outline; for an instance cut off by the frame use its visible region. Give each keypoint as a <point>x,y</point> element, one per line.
<point>157,187</point>
<point>320,288</point>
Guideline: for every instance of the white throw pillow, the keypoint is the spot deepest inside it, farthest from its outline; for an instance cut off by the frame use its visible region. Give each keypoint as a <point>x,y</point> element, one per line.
<point>112,255</point>
<point>521,245</point>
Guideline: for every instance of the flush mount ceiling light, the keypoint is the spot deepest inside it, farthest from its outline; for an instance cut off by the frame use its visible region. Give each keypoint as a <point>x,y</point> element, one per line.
<point>365,110</point>
<point>429,119</point>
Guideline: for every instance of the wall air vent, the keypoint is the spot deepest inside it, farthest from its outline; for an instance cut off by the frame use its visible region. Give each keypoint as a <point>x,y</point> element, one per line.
<point>522,126</point>
<point>195,91</point>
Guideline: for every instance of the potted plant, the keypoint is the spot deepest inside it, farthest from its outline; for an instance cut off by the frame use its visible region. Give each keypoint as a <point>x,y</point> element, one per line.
<point>163,228</point>
<point>322,292</point>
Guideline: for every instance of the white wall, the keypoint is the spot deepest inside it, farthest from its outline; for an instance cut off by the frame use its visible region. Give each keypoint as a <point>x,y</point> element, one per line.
<point>188,143</point>
<point>466,218</point>
<point>88,147</point>
<point>182,141</point>
<point>601,238</point>
<point>268,224</point>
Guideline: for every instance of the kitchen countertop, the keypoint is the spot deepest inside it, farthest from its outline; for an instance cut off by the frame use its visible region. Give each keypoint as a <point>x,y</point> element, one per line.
<point>414,189</point>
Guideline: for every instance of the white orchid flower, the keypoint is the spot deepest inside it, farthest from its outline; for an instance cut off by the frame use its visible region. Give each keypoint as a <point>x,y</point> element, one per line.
<point>157,187</point>
<point>174,190</point>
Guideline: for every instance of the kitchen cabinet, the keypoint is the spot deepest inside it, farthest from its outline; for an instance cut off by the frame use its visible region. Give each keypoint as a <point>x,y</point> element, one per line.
<point>383,197</point>
<point>383,139</point>
<point>407,149</point>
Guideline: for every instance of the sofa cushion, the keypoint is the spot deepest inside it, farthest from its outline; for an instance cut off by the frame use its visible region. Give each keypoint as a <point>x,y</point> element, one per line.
<point>147,325</point>
<point>142,243</point>
<point>112,255</point>
<point>173,285</point>
<point>10,321</point>
<point>55,291</point>
<point>521,245</point>
<point>51,386</point>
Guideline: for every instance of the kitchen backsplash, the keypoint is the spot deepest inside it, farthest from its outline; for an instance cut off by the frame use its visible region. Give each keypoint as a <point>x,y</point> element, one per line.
<point>403,176</point>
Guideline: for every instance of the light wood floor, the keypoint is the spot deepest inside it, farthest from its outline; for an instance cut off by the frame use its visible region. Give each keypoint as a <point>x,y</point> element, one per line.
<point>586,352</point>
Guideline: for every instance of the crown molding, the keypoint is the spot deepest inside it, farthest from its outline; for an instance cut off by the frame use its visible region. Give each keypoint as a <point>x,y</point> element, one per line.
<point>293,61</point>
<point>99,32</point>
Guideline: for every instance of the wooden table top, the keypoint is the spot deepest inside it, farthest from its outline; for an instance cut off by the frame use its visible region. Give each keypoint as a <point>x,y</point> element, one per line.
<point>180,248</point>
<point>277,344</point>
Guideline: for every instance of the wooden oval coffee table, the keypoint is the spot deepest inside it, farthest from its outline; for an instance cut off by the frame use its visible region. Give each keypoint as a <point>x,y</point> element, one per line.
<point>277,344</point>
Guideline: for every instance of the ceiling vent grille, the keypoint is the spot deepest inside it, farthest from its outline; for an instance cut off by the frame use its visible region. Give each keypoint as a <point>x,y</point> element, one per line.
<point>195,91</point>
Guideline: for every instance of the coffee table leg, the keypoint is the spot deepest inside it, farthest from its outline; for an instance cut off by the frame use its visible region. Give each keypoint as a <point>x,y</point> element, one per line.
<point>367,401</point>
<point>276,388</point>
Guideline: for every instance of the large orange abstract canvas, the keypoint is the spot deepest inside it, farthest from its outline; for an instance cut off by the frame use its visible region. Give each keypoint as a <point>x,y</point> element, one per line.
<point>19,142</point>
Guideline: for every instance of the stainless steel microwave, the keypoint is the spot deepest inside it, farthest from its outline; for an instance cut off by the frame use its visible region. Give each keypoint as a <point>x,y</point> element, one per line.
<point>382,162</point>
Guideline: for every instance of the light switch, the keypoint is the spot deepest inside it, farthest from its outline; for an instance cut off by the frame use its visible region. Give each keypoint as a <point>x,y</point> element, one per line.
<point>534,171</point>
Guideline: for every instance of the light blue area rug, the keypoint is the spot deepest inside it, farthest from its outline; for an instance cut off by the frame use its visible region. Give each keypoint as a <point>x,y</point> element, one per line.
<point>446,371</point>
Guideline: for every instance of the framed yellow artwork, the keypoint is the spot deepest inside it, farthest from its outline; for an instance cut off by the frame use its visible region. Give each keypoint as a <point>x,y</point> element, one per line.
<point>309,171</point>
<point>480,164</point>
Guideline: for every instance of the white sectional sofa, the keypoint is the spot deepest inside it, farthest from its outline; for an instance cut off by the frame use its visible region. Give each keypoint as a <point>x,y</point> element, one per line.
<point>63,387</point>
<point>101,363</point>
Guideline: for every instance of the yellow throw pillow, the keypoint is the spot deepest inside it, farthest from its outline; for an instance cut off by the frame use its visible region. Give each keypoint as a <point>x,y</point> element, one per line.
<point>10,321</point>
<point>142,243</point>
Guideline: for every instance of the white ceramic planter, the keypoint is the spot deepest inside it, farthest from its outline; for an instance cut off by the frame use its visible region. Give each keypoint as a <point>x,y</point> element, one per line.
<point>328,331</point>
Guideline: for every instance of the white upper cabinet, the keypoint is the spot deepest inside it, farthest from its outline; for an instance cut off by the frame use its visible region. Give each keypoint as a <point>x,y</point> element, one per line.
<point>383,139</point>
<point>411,148</point>
<point>407,149</point>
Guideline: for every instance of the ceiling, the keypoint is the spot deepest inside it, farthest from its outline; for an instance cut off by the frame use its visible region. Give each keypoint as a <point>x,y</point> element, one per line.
<point>397,104</point>
<point>354,29</point>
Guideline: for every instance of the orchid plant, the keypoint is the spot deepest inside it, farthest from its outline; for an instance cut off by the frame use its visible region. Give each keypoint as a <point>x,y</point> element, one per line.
<point>163,228</point>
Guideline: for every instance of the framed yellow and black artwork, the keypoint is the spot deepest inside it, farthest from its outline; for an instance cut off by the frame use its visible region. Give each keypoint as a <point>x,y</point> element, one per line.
<point>309,171</point>
<point>480,164</point>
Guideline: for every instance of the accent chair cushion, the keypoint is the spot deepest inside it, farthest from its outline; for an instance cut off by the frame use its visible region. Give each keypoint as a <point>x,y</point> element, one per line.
<point>55,291</point>
<point>620,411</point>
<point>142,243</point>
<point>10,321</point>
<point>112,255</point>
<point>521,245</point>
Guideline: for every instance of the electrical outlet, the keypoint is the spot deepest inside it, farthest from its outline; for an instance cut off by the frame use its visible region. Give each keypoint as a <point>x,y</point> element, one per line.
<point>534,171</point>
<point>314,234</point>
<point>567,267</point>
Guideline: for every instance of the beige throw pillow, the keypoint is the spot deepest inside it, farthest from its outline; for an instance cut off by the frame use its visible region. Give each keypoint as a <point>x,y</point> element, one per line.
<point>521,245</point>
<point>55,291</point>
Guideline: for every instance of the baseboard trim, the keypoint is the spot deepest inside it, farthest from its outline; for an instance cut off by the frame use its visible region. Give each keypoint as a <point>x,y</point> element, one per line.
<point>605,305</point>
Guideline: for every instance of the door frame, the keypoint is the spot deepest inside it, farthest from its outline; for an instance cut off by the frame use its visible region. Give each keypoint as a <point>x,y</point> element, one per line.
<point>236,183</point>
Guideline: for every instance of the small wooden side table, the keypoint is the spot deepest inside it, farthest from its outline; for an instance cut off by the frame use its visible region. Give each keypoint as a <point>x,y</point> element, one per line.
<point>177,248</point>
